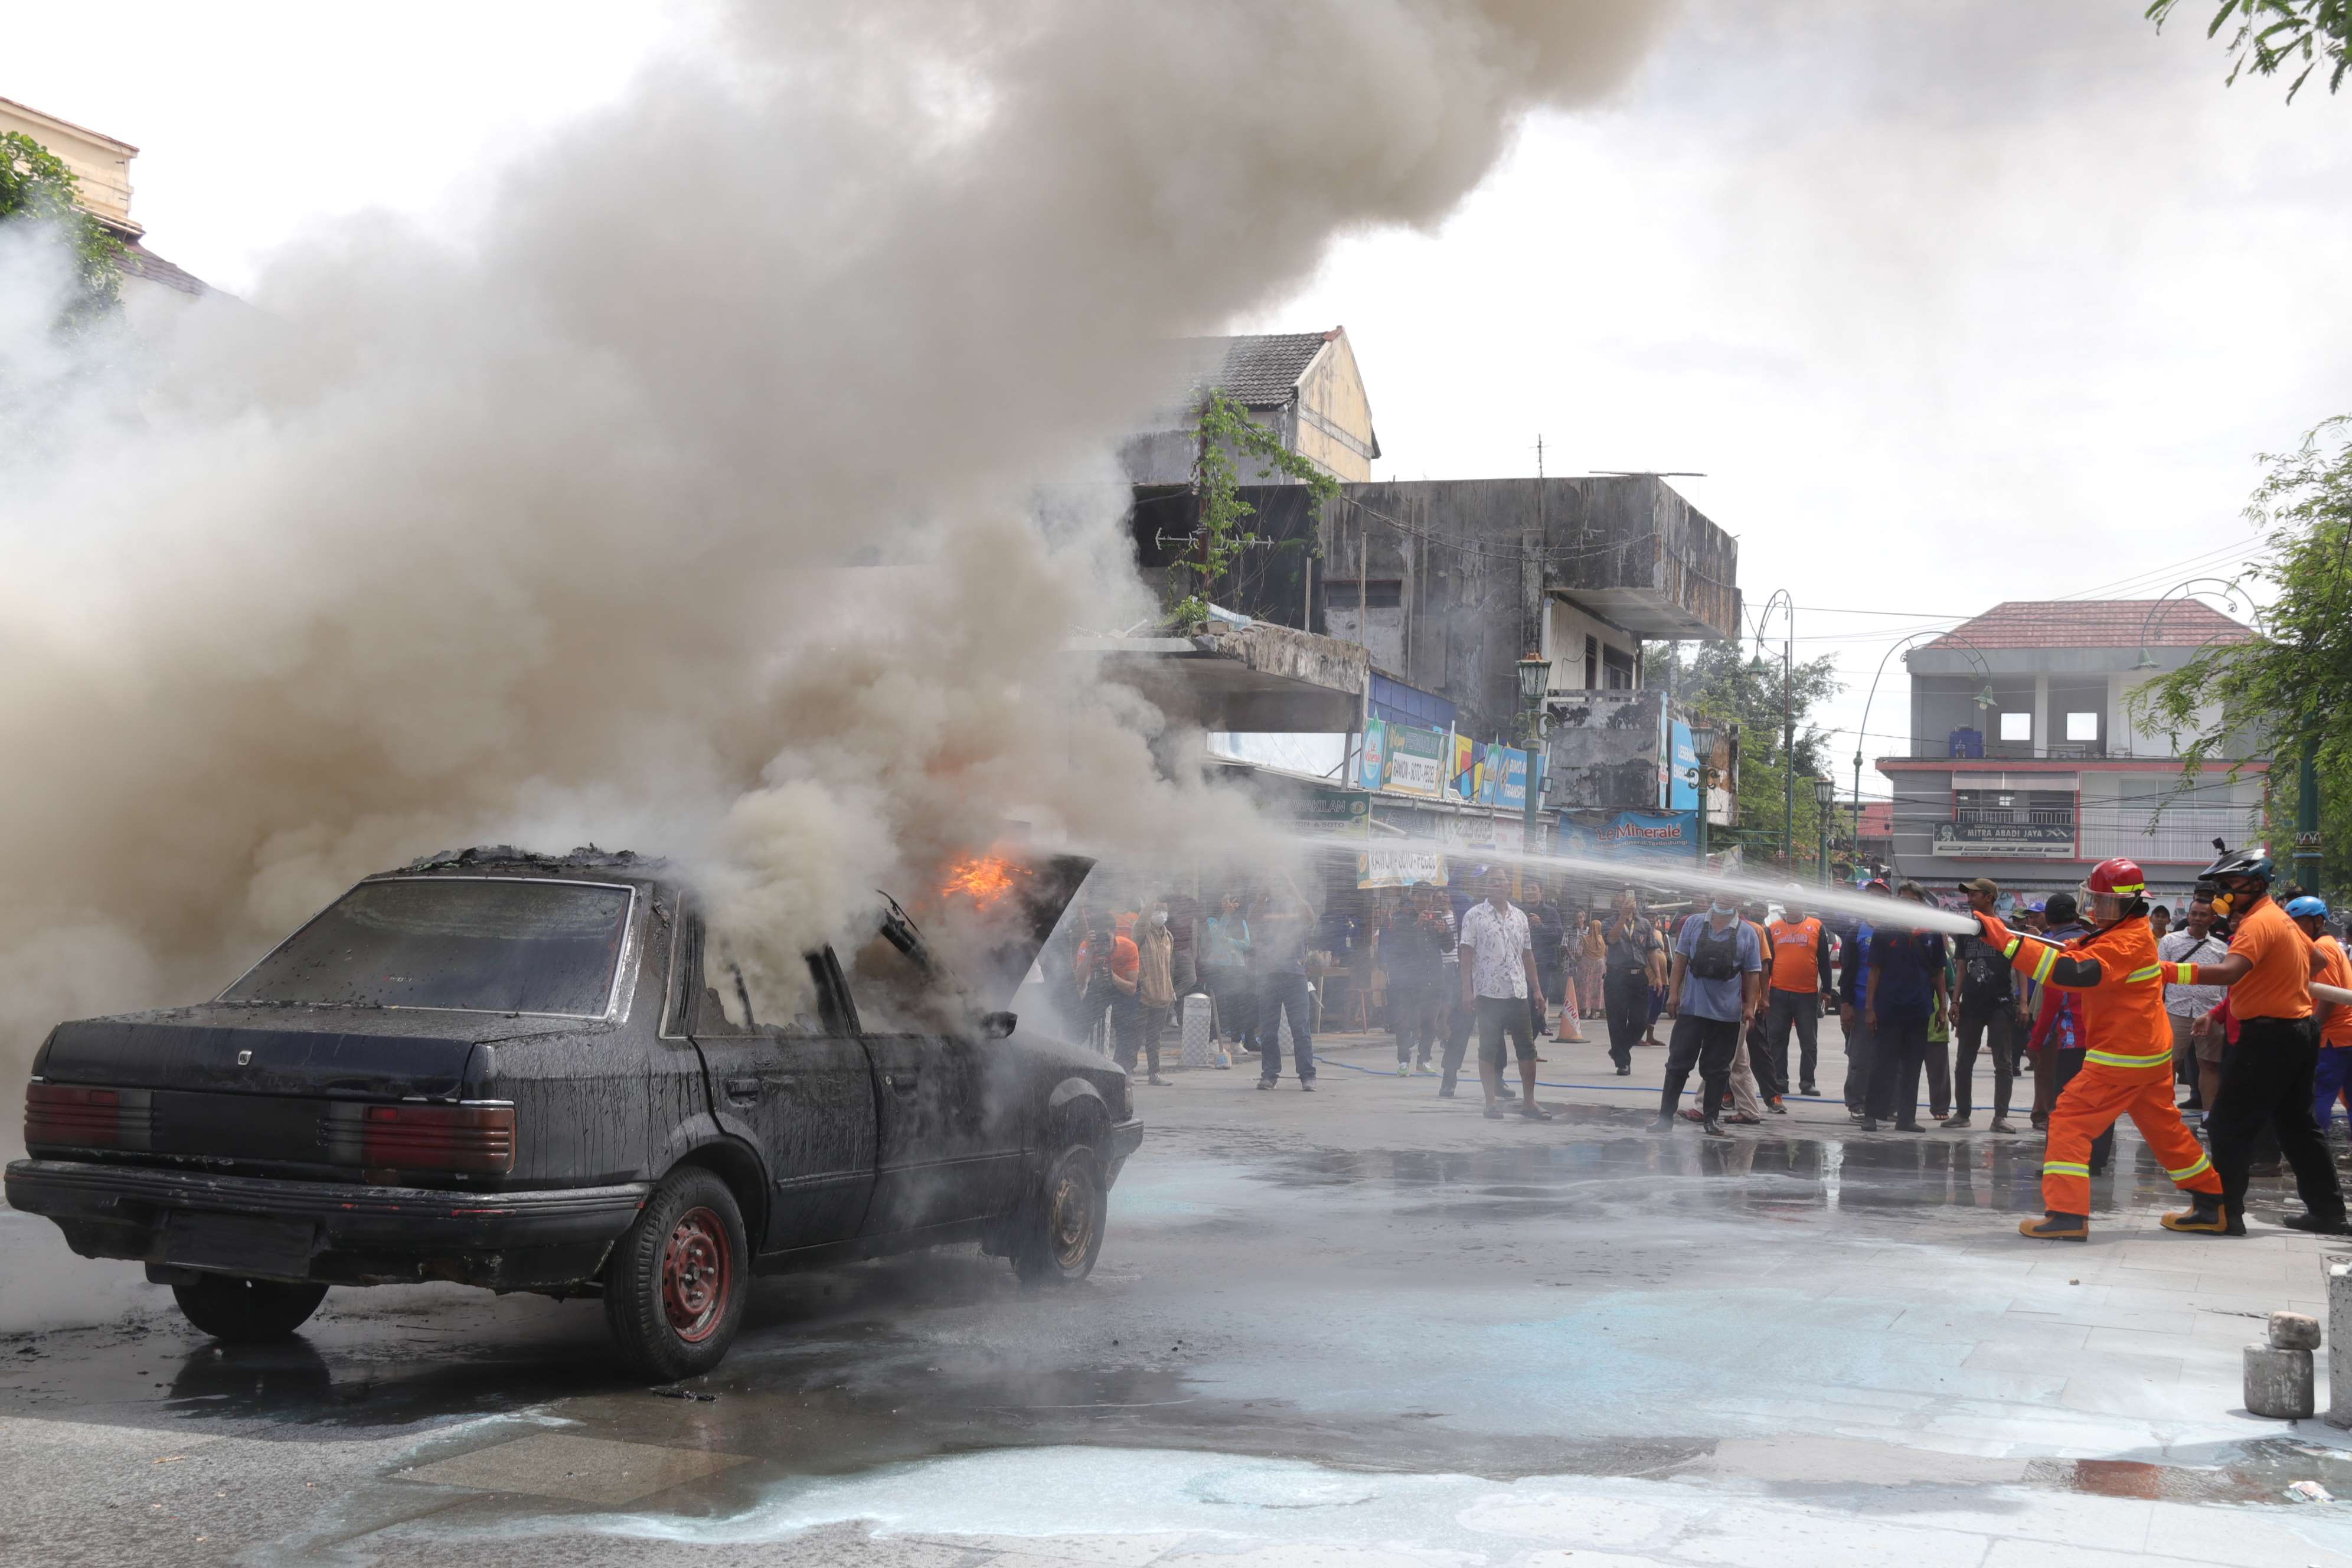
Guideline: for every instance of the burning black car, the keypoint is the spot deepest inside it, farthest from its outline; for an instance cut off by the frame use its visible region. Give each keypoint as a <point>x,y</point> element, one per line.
<point>531,1073</point>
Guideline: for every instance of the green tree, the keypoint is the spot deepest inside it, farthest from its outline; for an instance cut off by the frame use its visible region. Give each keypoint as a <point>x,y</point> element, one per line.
<point>1223,431</point>
<point>37,187</point>
<point>1721,683</point>
<point>2274,33</point>
<point>2290,688</point>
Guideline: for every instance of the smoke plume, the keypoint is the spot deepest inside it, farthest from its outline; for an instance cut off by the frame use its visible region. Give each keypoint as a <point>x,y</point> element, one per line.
<point>682,503</point>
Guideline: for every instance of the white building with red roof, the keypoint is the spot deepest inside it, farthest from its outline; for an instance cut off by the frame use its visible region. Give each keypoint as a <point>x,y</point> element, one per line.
<point>2027,763</point>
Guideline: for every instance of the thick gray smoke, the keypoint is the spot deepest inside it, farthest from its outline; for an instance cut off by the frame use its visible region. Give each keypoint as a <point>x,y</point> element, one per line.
<point>682,503</point>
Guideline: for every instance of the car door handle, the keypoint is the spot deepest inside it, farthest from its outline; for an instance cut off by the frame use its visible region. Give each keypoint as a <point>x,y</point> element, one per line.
<point>904,1082</point>
<point>752,1087</point>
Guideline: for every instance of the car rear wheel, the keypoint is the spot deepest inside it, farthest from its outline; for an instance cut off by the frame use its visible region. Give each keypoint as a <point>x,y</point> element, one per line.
<point>242,1311</point>
<point>1060,1233</point>
<point>675,1289</point>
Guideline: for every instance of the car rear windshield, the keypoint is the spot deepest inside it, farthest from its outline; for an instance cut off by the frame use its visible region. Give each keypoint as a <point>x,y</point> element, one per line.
<point>492,946</point>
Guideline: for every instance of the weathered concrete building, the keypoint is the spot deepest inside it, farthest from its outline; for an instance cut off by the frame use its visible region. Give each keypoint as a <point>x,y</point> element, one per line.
<point>1447,584</point>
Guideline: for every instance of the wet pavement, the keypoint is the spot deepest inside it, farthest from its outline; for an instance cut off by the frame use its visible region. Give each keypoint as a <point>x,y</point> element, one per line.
<point>1365,1326</point>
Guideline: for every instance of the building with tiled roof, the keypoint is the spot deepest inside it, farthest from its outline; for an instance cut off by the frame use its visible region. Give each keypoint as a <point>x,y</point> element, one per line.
<point>1304,386</point>
<point>2028,764</point>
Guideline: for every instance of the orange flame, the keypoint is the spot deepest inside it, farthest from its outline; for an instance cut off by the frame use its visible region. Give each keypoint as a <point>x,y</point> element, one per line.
<point>983,879</point>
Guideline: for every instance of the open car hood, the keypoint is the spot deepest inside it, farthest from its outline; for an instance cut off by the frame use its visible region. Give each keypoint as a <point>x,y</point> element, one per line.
<point>997,942</point>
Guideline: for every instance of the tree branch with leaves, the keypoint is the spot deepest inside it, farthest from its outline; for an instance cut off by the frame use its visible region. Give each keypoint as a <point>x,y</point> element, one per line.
<point>35,186</point>
<point>1223,432</point>
<point>2272,34</point>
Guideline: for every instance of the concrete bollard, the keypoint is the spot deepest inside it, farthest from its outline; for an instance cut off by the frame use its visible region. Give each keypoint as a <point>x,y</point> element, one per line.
<point>2278,1382</point>
<point>1197,1052</point>
<point>2339,1344</point>
<point>2293,1332</point>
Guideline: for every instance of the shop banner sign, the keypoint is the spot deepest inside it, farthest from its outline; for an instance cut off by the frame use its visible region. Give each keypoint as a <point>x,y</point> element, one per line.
<point>1373,761</point>
<point>1650,836</point>
<point>1398,867</point>
<point>2018,840</point>
<point>1335,810</point>
<point>1503,778</point>
<point>1416,760</point>
<point>1462,769</point>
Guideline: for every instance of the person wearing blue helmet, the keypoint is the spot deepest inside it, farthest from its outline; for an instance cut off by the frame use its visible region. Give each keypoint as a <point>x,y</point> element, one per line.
<point>2333,1075</point>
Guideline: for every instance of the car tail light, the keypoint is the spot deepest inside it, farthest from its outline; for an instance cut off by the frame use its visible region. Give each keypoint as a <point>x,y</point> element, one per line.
<point>80,1117</point>
<point>479,1139</point>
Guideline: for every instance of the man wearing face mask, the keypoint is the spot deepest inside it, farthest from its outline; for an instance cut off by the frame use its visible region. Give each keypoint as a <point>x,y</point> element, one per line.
<point>2126,1058</point>
<point>1713,988</point>
<point>1155,988</point>
<point>2266,1077</point>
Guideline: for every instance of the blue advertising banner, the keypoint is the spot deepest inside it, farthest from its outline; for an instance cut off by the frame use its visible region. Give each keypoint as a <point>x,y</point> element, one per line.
<point>1682,772</point>
<point>1503,778</point>
<point>1649,836</point>
<point>1373,764</point>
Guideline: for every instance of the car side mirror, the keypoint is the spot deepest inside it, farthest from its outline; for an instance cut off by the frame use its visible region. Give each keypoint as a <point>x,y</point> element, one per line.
<point>997,1025</point>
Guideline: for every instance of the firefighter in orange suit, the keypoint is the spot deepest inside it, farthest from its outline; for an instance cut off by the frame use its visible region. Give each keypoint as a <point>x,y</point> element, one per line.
<point>2128,1060</point>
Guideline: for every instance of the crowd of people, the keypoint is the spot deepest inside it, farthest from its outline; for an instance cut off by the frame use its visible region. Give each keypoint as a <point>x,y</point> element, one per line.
<point>2100,1004</point>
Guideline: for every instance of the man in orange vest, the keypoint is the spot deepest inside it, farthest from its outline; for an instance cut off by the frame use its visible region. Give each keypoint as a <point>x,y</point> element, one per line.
<point>2266,1077</point>
<point>1797,976</point>
<point>2128,1056</point>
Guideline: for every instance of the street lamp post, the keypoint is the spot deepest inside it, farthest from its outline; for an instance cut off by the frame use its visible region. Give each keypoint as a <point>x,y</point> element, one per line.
<point>1824,797</point>
<point>1702,740</point>
<point>1984,700</point>
<point>1534,675</point>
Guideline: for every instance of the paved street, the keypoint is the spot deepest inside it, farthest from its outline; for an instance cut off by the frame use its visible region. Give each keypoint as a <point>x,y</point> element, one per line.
<point>1362,1327</point>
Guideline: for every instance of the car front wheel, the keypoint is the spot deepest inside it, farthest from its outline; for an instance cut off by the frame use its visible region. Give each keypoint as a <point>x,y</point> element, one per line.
<point>675,1290</point>
<point>241,1312</point>
<point>1060,1233</point>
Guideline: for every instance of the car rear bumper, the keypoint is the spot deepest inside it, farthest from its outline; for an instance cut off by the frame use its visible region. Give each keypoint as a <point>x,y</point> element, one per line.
<point>329,1232</point>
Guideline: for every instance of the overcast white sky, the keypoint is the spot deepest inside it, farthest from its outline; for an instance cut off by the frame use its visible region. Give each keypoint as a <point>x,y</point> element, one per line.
<point>1950,303</point>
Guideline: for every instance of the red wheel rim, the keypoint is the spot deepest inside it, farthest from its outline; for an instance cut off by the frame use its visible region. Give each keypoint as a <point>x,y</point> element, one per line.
<point>695,1269</point>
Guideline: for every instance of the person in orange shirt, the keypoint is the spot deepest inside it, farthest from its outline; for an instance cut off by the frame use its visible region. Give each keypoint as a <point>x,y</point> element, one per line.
<point>2126,1060</point>
<point>2334,1073</point>
<point>1797,978</point>
<point>2266,1077</point>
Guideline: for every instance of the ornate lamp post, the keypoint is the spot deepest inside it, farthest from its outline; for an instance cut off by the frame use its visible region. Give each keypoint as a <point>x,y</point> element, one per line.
<point>1825,797</point>
<point>1534,674</point>
<point>1703,740</point>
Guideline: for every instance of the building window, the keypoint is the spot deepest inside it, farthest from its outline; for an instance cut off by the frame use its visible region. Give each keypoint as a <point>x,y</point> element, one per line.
<point>1617,669</point>
<point>1378,594</point>
<point>2017,726</point>
<point>1591,662</point>
<point>2082,726</point>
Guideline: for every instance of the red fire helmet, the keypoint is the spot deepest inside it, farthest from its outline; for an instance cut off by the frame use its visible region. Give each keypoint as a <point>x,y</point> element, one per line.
<point>2111,889</point>
<point>2119,876</point>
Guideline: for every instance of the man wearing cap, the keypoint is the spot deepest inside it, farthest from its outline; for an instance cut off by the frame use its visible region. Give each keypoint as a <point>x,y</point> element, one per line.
<point>1987,1008</point>
<point>2267,1076</point>
<point>2334,1073</point>
<point>1853,992</point>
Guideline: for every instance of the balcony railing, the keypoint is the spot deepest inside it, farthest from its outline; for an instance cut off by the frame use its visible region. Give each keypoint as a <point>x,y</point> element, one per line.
<point>2183,835</point>
<point>2010,816</point>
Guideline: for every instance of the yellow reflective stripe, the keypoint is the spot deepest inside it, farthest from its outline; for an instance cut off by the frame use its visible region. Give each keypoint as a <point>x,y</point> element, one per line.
<point>2014,944</point>
<point>2043,965</point>
<point>2204,1162</point>
<point>2118,1059</point>
<point>2122,888</point>
<point>2059,1168</point>
<point>2137,976</point>
<point>2184,975</point>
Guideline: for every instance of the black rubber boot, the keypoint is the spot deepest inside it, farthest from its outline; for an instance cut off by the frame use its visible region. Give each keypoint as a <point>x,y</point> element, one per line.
<point>2317,1223</point>
<point>1713,1128</point>
<point>2057,1226</point>
<point>2205,1217</point>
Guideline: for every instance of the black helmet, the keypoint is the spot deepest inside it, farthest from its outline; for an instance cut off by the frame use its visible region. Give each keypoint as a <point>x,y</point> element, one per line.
<point>2240,863</point>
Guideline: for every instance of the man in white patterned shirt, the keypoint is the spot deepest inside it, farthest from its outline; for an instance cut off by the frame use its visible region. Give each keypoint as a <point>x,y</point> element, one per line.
<point>1498,975</point>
